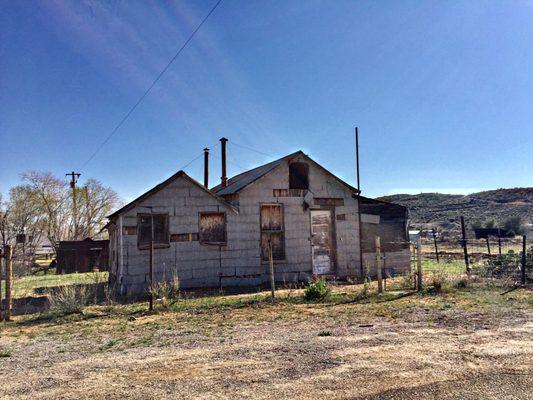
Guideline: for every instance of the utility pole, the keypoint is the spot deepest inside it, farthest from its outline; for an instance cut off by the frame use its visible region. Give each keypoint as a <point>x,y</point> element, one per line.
<point>359,204</point>
<point>73,179</point>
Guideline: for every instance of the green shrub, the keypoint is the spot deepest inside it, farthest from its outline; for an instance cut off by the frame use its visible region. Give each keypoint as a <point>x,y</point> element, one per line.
<point>324,333</point>
<point>504,264</point>
<point>366,287</point>
<point>316,290</point>
<point>5,353</point>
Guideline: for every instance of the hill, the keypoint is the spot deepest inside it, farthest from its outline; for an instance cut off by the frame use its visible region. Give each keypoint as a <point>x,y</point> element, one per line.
<point>442,211</point>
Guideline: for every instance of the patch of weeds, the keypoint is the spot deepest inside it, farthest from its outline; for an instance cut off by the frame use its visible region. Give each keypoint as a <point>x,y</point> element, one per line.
<point>316,290</point>
<point>324,333</point>
<point>110,344</point>
<point>439,280</point>
<point>5,353</point>
<point>462,283</point>
<point>166,292</point>
<point>68,300</point>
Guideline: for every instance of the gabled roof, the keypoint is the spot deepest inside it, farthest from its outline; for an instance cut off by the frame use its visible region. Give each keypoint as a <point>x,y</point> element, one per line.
<point>157,188</point>
<point>244,179</point>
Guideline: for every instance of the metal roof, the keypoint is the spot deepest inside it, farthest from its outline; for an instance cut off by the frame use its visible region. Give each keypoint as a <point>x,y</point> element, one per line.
<point>242,180</point>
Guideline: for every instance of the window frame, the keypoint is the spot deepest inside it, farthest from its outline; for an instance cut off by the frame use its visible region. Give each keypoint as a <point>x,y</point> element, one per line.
<point>306,165</point>
<point>204,242</point>
<point>269,231</point>
<point>158,244</point>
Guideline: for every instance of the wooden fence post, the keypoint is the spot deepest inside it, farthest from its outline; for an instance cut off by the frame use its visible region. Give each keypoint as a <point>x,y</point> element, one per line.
<point>8,305</point>
<point>419,263</point>
<point>524,260</point>
<point>271,268</point>
<point>499,242</point>
<point>435,243</point>
<point>465,248</point>
<point>151,276</point>
<point>488,244</point>
<point>378,264</point>
<point>2,252</point>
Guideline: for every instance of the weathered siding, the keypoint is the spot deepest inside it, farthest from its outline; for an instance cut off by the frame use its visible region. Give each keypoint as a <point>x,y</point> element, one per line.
<point>298,263</point>
<point>195,264</point>
<point>238,262</point>
<point>389,222</point>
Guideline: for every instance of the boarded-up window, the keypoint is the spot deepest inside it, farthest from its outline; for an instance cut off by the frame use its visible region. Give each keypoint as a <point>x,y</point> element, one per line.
<point>272,230</point>
<point>212,228</point>
<point>298,176</point>
<point>152,227</point>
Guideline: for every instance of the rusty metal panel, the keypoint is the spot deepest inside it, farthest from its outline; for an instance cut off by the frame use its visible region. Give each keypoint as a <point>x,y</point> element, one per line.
<point>212,228</point>
<point>321,241</point>
<point>184,237</point>
<point>329,201</point>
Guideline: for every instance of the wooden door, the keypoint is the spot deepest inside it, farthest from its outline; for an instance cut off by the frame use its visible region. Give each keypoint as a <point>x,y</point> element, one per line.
<point>321,243</point>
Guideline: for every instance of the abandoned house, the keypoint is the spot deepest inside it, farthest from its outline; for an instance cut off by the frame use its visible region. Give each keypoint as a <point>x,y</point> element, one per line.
<point>292,209</point>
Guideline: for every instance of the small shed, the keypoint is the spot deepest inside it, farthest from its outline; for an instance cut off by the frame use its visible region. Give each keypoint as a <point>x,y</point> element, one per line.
<point>85,255</point>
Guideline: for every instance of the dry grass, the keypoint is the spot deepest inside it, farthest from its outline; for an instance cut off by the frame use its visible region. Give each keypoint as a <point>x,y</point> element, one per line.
<point>468,344</point>
<point>25,286</point>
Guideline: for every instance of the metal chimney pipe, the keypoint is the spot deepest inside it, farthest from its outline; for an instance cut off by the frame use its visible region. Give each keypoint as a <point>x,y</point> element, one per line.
<point>224,177</point>
<point>206,168</point>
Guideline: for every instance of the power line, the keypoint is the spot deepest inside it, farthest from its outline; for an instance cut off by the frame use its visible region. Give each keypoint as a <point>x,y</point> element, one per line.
<point>193,160</point>
<point>152,85</point>
<point>251,149</point>
<point>197,157</point>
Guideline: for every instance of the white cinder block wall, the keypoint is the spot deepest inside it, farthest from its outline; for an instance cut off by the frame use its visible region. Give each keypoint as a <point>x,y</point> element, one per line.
<point>239,262</point>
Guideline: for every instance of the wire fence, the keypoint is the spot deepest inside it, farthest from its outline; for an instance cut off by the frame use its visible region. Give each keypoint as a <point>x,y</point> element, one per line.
<point>506,261</point>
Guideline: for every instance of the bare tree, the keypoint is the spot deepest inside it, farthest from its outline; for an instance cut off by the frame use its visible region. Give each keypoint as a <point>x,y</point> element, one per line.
<point>24,217</point>
<point>43,207</point>
<point>4,226</point>
<point>50,195</point>
<point>95,202</point>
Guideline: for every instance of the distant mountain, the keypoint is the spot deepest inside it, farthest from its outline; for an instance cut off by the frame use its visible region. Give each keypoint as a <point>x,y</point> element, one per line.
<point>442,211</point>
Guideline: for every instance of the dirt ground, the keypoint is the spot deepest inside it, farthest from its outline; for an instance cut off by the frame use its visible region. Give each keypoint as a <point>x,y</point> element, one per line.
<point>471,344</point>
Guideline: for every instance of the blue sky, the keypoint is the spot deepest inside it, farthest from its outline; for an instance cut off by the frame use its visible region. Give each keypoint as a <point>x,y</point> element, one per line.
<point>442,91</point>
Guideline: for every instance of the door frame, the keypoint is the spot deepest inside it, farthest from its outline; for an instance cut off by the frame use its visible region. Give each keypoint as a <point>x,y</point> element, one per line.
<point>332,237</point>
